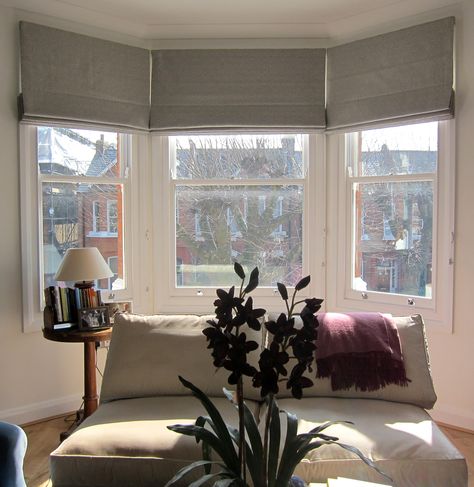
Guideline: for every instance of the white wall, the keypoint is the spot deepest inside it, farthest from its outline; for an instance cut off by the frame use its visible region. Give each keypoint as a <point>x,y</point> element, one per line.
<point>452,356</point>
<point>37,377</point>
<point>40,378</point>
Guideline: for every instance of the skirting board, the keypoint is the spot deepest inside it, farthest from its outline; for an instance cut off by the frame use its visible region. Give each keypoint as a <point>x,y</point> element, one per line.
<point>453,417</point>
<point>41,410</point>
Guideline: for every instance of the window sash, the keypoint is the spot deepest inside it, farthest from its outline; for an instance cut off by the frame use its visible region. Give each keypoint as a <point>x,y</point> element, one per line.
<point>32,224</point>
<point>437,311</point>
<point>168,296</point>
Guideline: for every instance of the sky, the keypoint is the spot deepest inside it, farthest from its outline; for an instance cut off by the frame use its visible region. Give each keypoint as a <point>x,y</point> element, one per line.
<point>421,136</point>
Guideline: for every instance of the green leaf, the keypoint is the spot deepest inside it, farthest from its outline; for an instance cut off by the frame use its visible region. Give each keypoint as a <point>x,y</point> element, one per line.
<point>366,460</point>
<point>189,468</point>
<point>202,433</point>
<point>291,431</point>
<point>254,451</point>
<point>204,479</point>
<point>325,425</point>
<point>239,270</point>
<point>303,283</point>
<point>219,426</point>
<point>283,291</point>
<point>224,483</point>
<point>200,421</point>
<point>274,443</point>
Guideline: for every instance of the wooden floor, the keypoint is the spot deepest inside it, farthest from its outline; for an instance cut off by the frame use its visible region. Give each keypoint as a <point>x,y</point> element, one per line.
<point>43,438</point>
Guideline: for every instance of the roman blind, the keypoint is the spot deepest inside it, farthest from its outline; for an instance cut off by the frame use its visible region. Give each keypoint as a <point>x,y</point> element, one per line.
<point>238,88</point>
<point>394,77</point>
<point>67,77</point>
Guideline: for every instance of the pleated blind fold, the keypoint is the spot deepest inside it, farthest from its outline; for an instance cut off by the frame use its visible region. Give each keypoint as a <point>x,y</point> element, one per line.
<point>238,88</point>
<point>67,77</point>
<point>399,76</point>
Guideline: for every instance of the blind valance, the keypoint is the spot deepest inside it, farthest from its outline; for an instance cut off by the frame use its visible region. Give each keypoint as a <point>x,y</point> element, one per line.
<point>394,77</point>
<point>67,77</point>
<point>402,75</point>
<point>238,88</point>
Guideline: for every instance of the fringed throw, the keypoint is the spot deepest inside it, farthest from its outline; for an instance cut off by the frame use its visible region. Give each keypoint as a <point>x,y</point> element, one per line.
<point>359,349</point>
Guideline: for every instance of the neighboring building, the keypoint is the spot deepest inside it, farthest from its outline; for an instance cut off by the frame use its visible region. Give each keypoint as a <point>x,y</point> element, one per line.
<point>79,215</point>
<point>394,244</point>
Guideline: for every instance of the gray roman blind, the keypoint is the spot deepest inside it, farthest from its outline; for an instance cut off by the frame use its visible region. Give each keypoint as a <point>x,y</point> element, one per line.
<point>238,88</point>
<point>67,77</point>
<point>403,75</point>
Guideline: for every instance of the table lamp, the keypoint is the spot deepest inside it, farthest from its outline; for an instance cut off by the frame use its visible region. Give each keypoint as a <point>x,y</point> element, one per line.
<point>84,266</point>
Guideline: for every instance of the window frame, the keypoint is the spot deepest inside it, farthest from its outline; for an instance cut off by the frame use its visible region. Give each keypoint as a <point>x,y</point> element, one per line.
<point>436,311</point>
<point>169,298</point>
<point>111,203</point>
<point>32,217</point>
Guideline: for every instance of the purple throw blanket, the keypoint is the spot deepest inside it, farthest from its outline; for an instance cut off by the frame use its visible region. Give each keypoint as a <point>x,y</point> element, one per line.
<point>359,349</point>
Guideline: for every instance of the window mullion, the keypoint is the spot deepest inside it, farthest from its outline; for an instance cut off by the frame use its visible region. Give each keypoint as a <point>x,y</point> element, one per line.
<point>393,178</point>
<point>49,178</point>
<point>238,182</point>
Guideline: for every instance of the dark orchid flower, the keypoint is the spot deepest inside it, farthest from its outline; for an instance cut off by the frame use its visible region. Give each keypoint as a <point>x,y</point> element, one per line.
<point>236,360</point>
<point>246,314</point>
<point>225,305</point>
<point>282,328</point>
<point>297,382</point>
<point>267,381</point>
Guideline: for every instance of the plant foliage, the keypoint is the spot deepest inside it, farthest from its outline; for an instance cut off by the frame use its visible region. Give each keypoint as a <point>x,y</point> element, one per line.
<point>285,360</point>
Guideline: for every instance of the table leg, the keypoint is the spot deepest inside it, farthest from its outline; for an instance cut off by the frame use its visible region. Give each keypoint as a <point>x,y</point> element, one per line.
<point>91,398</point>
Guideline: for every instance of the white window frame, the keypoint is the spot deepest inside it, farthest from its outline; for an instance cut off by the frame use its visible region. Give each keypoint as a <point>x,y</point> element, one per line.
<point>95,216</point>
<point>31,223</point>
<point>438,311</point>
<point>109,260</point>
<point>111,203</point>
<point>168,298</point>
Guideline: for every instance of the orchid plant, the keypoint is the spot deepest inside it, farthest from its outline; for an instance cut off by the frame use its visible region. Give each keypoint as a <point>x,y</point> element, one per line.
<point>289,354</point>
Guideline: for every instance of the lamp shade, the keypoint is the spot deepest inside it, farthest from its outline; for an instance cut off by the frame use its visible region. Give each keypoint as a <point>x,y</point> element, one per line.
<point>83,264</point>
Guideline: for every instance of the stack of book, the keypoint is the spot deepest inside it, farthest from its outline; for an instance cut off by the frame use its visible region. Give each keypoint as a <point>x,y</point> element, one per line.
<point>62,304</point>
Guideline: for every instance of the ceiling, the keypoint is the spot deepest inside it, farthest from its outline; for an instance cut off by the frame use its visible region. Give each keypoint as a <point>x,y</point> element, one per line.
<point>175,19</point>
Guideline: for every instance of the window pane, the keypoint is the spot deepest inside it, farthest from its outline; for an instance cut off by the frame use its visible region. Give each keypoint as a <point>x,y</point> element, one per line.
<point>411,149</point>
<point>393,238</point>
<point>75,215</point>
<point>76,152</point>
<point>217,225</point>
<point>238,156</point>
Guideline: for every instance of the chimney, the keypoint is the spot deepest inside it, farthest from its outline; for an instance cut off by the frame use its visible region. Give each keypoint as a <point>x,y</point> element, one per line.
<point>288,144</point>
<point>99,145</point>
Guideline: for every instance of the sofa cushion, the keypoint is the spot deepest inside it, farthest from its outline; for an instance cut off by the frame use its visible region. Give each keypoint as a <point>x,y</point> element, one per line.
<point>147,353</point>
<point>402,439</point>
<point>420,390</point>
<point>126,443</point>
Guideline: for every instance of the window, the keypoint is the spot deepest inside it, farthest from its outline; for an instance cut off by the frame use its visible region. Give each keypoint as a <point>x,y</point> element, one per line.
<point>96,216</point>
<point>233,198</point>
<point>112,216</point>
<point>81,185</point>
<point>113,264</point>
<point>396,221</point>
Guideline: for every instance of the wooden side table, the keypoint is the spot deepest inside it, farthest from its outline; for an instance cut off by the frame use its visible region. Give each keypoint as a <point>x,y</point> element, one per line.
<point>90,339</point>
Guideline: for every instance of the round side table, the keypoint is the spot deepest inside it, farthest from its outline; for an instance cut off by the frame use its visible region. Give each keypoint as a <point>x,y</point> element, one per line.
<point>90,339</point>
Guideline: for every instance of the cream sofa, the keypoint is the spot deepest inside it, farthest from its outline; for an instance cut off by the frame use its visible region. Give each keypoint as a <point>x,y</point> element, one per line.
<point>126,442</point>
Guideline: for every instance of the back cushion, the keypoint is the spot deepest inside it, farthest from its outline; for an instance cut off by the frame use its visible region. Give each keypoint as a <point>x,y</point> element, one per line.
<point>147,353</point>
<point>420,390</point>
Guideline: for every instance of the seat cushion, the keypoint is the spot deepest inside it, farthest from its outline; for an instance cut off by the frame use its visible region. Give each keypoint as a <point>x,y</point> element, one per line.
<point>126,443</point>
<point>147,353</point>
<point>402,439</point>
